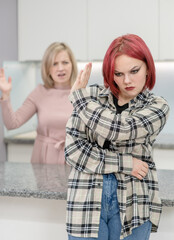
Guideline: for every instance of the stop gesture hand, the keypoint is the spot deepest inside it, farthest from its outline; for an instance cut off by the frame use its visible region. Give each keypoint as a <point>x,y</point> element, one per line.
<point>5,86</point>
<point>83,78</point>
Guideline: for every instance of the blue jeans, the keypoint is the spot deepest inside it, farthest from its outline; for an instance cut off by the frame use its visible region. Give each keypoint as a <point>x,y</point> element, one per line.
<point>110,216</point>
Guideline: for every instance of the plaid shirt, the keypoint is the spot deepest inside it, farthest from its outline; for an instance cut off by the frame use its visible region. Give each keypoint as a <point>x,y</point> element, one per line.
<point>130,134</point>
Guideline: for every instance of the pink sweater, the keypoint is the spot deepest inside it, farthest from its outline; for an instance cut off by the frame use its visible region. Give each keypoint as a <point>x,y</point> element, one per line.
<point>53,110</point>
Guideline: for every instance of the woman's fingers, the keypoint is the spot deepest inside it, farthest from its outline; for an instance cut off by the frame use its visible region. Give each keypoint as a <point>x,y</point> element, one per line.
<point>140,168</point>
<point>76,83</point>
<point>82,78</point>
<point>79,76</point>
<point>5,86</point>
<point>1,73</point>
<point>142,172</point>
<point>86,73</point>
<point>9,80</point>
<point>144,169</point>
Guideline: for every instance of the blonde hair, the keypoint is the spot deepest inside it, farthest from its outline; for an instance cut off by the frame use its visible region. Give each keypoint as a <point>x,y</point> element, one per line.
<point>48,59</point>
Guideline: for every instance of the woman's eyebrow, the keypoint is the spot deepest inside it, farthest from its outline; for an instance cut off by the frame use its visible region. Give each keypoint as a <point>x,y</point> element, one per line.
<point>136,67</point>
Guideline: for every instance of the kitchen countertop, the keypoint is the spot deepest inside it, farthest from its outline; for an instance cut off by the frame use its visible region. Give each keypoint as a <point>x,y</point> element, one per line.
<point>164,141</point>
<point>166,187</point>
<point>25,138</point>
<point>33,180</point>
<point>50,181</point>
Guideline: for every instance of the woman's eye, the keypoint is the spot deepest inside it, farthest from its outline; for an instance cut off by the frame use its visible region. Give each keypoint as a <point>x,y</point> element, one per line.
<point>117,74</point>
<point>135,71</point>
<point>65,62</point>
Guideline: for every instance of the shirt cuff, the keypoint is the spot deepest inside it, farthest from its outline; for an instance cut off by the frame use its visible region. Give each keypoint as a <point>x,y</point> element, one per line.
<point>125,164</point>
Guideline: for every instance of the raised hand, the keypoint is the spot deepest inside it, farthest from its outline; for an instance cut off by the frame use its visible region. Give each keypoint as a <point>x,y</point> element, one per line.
<point>5,86</point>
<point>83,78</point>
<point>140,168</point>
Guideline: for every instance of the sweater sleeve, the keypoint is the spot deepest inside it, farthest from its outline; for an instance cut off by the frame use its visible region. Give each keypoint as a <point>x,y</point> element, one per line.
<point>89,157</point>
<point>142,123</point>
<point>13,120</point>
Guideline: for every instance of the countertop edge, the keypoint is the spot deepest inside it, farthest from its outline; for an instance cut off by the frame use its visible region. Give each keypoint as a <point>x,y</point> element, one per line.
<point>29,194</point>
<point>167,203</point>
<point>157,145</point>
<point>57,196</point>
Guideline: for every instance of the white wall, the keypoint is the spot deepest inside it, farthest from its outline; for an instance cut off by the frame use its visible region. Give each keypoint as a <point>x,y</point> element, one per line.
<point>89,26</point>
<point>32,219</point>
<point>43,219</point>
<point>112,18</point>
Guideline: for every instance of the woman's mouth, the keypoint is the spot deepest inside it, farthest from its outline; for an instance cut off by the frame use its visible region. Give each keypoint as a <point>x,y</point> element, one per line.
<point>129,88</point>
<point>61,75</point>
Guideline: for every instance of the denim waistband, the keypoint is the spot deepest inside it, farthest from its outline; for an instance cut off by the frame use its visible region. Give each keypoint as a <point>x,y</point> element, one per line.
<point>109,176</point>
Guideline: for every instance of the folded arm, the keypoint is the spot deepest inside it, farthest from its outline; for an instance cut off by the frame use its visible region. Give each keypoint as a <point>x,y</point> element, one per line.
<point>89,157</point>
<point>144,122</point>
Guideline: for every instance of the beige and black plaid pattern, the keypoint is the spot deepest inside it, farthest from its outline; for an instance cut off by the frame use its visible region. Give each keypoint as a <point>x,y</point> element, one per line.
<point>131,134</point>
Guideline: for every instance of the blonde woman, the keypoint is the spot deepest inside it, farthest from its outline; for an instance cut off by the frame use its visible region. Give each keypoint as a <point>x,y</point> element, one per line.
<point>49,101</point>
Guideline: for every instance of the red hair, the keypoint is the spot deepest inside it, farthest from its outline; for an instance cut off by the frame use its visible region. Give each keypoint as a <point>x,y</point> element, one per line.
<point>132,46</point>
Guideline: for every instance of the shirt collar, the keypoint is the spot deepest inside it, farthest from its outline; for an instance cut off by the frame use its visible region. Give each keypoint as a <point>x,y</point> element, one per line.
<point>143,97</point>
<point>105,92</point>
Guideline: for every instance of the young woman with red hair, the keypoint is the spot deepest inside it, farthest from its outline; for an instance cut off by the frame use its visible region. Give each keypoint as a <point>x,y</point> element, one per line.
<point>113,187</point>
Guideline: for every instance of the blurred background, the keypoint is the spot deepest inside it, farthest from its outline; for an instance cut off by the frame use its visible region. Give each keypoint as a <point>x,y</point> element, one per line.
<point>88,27</point>
<point>27,27</point>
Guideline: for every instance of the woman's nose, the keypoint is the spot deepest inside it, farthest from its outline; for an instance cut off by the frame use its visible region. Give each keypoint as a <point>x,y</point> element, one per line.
<point>60,67</point>
<point>127,79</point>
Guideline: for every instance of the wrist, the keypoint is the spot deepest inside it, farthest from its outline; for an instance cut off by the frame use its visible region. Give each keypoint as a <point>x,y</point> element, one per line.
<point>5,95</point>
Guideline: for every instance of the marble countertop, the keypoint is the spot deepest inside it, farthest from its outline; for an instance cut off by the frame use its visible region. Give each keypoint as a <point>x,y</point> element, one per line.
<point>25,138</point>
<point>50,181</point>
<point>164,141</point>
<point>33,180</point>
<point>166,187</point>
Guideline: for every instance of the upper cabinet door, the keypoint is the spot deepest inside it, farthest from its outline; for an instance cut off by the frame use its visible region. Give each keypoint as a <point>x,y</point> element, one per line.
<point>166,29</point>
<point>42,22</point>
<point>89,26</point>
<point>110,19</point>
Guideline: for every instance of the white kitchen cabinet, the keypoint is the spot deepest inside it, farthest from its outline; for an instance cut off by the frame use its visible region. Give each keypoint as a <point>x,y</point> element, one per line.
<point>42,22</point>
<point>166,30</point>
<point>89,26</point>
<point>110,19</point>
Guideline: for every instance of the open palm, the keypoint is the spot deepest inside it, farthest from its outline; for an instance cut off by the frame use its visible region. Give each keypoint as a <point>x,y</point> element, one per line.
<point>5,86</point>
<point>83,78</point>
